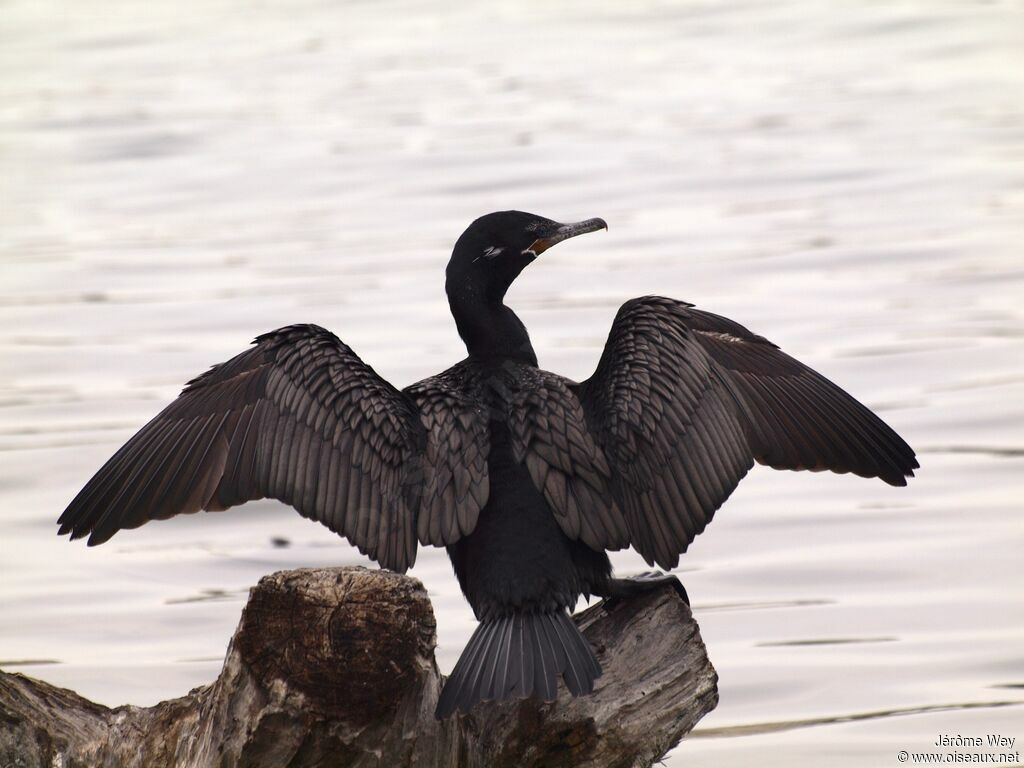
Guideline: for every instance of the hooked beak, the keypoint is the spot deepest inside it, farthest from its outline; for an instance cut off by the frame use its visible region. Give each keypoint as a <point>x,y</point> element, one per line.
<point>564,232</point>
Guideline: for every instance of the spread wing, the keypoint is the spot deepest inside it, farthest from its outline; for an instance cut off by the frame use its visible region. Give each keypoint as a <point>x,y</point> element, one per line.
<point>300,418</point>
<point>683,402</point>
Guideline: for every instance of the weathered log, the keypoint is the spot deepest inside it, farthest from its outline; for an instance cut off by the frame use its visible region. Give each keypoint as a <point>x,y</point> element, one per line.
<point>335,667</point>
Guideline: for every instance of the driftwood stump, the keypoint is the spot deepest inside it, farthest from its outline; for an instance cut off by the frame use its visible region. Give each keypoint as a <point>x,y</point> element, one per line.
<point>335,667</point>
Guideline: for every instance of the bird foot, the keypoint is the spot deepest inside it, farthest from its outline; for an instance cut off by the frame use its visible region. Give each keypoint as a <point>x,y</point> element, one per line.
<point>618,589</point>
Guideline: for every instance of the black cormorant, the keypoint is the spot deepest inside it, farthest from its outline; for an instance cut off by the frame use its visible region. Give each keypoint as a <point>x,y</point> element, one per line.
<point>526,477</point>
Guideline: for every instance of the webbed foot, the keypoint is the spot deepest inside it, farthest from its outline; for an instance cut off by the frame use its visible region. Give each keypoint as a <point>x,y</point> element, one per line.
<point>616,589</point>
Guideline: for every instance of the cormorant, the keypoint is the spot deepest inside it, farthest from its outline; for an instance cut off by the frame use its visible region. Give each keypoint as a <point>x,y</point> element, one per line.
<point>526,477</point>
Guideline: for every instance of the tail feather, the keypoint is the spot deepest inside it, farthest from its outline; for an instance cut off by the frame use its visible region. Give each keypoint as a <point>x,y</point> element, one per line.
<point>464,687</point>
<point>577,670</point>
<point>545,682</point>
<point>485,662</point>
<point>499,678</point>
<point>519,656</point>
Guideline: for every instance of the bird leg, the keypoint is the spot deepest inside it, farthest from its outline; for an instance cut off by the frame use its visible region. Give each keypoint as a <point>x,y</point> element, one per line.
<point>614,590</point>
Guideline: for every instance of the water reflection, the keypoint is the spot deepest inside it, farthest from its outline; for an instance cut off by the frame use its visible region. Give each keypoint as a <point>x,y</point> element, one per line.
<point>844,180</point>
<point>210,594</point>
<point>827,641</point>
<point>754,729</point>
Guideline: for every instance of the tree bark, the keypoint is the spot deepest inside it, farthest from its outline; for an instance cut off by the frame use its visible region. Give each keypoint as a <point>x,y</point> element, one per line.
<point>335,668</point>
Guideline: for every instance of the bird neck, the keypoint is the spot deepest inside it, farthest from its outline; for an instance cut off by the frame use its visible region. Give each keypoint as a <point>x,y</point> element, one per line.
<point>491,330</point>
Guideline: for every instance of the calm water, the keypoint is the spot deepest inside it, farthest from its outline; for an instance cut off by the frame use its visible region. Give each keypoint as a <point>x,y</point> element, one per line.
<point>845,178</point>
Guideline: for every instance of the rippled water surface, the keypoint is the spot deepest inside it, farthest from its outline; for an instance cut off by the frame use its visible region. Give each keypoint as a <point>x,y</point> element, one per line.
<point>845,178</point>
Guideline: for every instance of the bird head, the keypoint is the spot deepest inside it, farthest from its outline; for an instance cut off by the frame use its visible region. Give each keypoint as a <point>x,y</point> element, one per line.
<point>495,248</point>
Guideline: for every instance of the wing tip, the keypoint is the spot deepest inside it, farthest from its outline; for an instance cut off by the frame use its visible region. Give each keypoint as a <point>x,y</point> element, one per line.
<point>74,525</point>
<point>70,524</point>
<point>98,537</point>
<point>902,477</point>
<point>898,472</point>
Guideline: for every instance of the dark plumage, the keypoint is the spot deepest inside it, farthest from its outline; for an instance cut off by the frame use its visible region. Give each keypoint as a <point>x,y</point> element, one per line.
<point>526,477</point>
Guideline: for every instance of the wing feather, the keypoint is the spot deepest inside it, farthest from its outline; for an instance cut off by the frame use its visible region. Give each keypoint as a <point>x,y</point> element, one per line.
<point>454,474</point>
<point>300,418</point>
<point>550,437</point>
<point>683,402</point>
